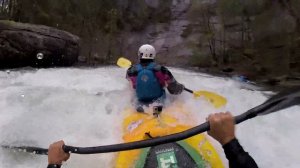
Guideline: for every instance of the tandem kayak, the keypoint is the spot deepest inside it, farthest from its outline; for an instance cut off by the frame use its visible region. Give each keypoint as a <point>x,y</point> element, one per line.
<point>194,152</point>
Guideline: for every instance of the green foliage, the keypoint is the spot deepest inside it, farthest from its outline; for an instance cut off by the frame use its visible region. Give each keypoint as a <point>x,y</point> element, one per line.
<point>200,59</point>
<point>138,15</point>
<point>272,28</point>
<point>88,16</point>
<point>254,7</point>
<point>71,15</point>
<point>5,8</point>
<point>295,5</point>
<point>163,13</point>
<point>199,11</point>
<point>234,56</point>
<point>90,19</point>
<point>249,52</point>
<point>230,8</point>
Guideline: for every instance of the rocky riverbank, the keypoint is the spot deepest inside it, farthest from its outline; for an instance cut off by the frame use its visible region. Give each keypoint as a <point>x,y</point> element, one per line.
<point>275,83</point>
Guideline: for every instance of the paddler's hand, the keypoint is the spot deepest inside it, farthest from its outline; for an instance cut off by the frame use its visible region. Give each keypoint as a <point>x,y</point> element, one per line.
<point>221,127</point>
<point>56,154</point>
<point>175,88</point>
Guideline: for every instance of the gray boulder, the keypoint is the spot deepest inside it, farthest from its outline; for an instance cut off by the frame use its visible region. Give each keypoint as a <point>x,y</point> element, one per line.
<point>35,45</point>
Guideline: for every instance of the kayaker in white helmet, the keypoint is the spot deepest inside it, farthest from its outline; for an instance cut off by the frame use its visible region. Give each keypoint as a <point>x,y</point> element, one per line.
<point>222,129</point>
<point>149,79</point>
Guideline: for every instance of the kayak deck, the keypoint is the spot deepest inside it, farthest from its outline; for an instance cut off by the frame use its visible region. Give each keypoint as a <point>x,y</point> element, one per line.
<point>141,126</point>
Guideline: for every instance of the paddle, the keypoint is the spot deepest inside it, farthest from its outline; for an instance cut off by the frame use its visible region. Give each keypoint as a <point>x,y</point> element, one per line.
<point>216,100</point>
<point>29,149</point>
<point>280,101</point>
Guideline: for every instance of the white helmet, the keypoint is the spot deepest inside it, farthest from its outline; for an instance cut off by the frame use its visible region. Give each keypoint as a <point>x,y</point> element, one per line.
<point>147,51</point>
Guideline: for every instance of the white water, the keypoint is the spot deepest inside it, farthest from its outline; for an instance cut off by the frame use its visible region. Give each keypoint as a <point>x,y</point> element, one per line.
<point>84,108</point>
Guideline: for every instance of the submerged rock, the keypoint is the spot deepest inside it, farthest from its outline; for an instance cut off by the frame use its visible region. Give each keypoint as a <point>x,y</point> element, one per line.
<point>35,45</point>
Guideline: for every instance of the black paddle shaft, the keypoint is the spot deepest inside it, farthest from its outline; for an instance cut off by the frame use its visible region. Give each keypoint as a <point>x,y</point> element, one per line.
<point>188,90</point>
<point>151,142</point>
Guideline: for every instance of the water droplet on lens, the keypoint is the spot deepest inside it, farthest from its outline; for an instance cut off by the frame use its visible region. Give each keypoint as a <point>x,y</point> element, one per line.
<point>40,56</point>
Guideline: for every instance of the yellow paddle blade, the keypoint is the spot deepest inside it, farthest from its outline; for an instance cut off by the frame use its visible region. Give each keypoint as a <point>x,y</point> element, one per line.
<point>123,63</point>
<point>215,99</point>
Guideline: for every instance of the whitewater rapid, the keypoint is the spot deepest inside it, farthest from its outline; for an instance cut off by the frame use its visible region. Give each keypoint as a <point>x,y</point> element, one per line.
<point>84,108</point>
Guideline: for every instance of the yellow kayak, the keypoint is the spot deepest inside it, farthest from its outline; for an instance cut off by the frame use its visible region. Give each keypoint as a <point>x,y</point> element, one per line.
<point>196,151</point>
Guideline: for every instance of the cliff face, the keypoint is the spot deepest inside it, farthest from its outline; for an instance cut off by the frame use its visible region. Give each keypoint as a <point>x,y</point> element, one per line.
<point>257,38</point>
<point>167,37</point>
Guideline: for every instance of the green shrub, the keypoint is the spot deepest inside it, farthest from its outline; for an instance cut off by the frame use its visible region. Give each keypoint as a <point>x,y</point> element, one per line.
<point>200,59</point>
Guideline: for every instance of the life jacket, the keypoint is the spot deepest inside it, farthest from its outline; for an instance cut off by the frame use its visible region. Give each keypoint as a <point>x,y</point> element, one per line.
<point>148,87</point>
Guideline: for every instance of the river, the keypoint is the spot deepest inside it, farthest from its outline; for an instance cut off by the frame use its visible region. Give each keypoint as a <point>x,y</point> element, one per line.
<point>83,106</point>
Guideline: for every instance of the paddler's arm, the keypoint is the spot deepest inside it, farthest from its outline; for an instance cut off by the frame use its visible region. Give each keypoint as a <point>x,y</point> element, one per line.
<point>56,155</point>
<point>172,85</point>
<point>131,75</point>
<point>222,129</point>
<point>237,156</point>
